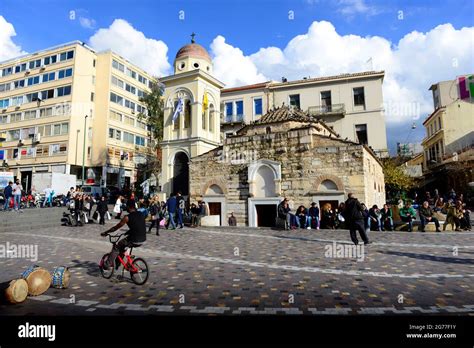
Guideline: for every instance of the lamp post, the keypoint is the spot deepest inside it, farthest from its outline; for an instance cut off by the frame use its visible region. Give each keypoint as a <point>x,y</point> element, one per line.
<point>84,151</point>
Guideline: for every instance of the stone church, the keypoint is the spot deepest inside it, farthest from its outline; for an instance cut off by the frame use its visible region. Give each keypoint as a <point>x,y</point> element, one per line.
<point>286,153</point>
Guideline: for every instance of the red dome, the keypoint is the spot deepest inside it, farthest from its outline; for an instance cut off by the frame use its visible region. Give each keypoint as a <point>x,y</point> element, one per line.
<point>193,50</point>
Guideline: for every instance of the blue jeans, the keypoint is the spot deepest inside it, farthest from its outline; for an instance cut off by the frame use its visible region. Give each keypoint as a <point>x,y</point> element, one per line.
<point>171,221</point>
<point>180,217</point>
<point>7,203</point>
<point>307,222</point>
<point>390,222</point>
<point>372,221</point>
<point>17,201</point>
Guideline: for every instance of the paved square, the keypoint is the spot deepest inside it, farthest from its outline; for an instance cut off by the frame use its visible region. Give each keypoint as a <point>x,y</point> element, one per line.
<point>253,271</point>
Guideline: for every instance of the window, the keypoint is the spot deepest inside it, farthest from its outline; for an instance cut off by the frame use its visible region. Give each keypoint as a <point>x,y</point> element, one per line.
<point>4,103</point>
<point>111,133</point>
<point>64,73</point>
<point>15,117</point>
<point>19,68</point>
<point>139,141</point>
<point>131,73</point>
<point>70,55</point>
<point>7,71</point>
<point>29,115</point>
<point>16,101</point>
<point>92,96</point>
<point>3,119</point>
<point>211,118</point>
<point>50,60</point>
<point>5,87</point>
<point>35,64</point>
<point>141,124</point>
<point>326,99</point>
<point>48,94</point>
<point>63,91</point>
<point>93,63</point>
<point>257,106</point>
<point>57,129</point>
<point>439,123</point>
<point>64,128</point>
<point>239,108</point>
<point>117,82</point>
<point>361,133</point>
<point>66,56</point>
<point>118,66</point>
<point>130,88</point>
<point>228,111</point>
<point>129,104</point>
<point>359,98</point>
<point>115,116</point>
<point>19,83</point>
<point>33,80</point>
<point>295,100</point>
<point>62,109</point>
<point>128,137</point>
<point>13,135</point>
<point>129,120</point>
<point>141,109</point>
<point>118,135</point>
<point>47,130</point>
<point>116,98</point>
<point>48,77</point>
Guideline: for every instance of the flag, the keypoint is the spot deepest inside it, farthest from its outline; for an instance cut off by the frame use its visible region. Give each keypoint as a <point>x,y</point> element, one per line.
<point>179,109</point>
<point>2,154</point>
<point>205,103</point>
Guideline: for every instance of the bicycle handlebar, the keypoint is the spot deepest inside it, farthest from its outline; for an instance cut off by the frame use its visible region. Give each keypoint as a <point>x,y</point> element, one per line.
<point>115,236</point>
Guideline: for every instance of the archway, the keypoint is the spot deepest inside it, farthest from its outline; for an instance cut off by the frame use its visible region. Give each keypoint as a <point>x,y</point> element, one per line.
<point>181,173</point>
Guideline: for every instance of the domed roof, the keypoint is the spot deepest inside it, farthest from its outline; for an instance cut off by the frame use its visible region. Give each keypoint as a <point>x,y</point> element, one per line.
<point>193,50</point>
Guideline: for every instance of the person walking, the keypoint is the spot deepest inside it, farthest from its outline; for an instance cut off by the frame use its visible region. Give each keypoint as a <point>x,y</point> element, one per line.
<point>118,207</point>
<point>156,217</point>
<point>17,191</point>
<point>171,206</point>
<point>8,193</point>
<point>102,209</point>
<point>180,208</point>
<point>354,219</point>
<point>426,216</point>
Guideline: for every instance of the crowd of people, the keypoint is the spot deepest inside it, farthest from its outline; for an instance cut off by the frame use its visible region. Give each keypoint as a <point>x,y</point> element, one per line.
<point>381,219</point>
<point>16,198</point>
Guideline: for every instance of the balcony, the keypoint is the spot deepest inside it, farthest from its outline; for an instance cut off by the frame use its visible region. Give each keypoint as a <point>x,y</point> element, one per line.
<point>230,119</point>
<point>328,110</point>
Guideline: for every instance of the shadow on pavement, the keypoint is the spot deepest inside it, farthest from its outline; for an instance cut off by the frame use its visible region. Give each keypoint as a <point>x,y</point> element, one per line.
<point>431,257</point>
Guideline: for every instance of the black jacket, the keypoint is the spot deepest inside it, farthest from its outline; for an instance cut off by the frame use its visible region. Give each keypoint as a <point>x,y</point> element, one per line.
<point>102,206</point>
<point>353,210</point>
<point>282,211</point>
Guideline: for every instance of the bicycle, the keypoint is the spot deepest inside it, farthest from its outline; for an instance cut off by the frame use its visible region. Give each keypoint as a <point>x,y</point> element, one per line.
<point>136,266</point>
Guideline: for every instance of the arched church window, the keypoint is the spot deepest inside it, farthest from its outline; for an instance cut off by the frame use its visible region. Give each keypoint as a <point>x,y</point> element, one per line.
<point>176,122</point>
<point>196,65</point>
<point>187,114</point>
<point>204,119</point>
<point>211,118</point>
<point>328,185</point>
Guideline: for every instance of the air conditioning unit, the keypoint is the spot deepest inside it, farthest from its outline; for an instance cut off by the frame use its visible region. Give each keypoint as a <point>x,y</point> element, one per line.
<point>17,107</point>
<point>27,71</point>
<point>42,67</point>
<point>37,138</point>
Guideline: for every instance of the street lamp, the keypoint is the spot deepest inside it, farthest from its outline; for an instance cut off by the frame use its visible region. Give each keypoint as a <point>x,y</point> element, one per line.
<point>84,151</point>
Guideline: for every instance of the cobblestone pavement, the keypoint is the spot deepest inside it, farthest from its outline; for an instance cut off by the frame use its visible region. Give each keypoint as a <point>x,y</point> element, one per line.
<point>253,271</point>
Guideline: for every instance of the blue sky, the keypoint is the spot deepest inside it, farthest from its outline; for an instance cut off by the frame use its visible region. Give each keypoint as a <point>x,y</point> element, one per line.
<point>416,42</point>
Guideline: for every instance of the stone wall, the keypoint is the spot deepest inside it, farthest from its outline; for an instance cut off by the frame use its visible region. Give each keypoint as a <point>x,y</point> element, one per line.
<point>306,158</point>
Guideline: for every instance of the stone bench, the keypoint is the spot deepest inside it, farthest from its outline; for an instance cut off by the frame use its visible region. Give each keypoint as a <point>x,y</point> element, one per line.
<point>210,220</point>
<point>429,227</point>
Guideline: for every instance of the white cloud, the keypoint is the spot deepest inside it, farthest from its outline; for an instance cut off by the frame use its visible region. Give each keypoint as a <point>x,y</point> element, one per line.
<point>121,37</point>
<point>351,8</point>
<point>231,66</point>
<point>8,49</point>
<point>411,65</point>
<point>87,23</point>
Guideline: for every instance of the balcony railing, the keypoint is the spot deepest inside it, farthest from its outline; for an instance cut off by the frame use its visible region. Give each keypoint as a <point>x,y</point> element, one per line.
<point>334,109</point>
<point>232,119</point>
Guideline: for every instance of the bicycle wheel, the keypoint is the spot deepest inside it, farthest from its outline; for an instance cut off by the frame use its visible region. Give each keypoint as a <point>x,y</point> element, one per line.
<point>141,276</point>
<point>106,273</point>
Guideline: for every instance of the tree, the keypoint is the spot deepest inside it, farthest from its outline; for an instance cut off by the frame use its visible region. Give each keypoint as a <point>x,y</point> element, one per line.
<point>154,104</point>
<point>397,182</point>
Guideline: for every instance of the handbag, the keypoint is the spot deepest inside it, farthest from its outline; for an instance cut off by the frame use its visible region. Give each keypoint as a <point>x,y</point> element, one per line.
<point>108,215</point>
<point>86,220</point>
<point>117,209</point>
<point>95,216</point>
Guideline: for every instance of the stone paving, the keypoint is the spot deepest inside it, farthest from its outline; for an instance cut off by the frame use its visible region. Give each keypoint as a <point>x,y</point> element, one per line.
<point>253,271</point>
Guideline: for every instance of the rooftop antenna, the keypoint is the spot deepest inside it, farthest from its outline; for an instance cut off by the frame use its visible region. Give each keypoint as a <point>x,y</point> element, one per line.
<point>192,37</point>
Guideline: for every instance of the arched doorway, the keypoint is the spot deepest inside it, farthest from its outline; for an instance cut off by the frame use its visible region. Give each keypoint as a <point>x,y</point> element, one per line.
<point>214,197</point>
<point>181,174</point>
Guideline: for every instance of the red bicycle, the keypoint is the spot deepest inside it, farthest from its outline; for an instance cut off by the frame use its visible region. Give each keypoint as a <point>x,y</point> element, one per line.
<point>136,266</point>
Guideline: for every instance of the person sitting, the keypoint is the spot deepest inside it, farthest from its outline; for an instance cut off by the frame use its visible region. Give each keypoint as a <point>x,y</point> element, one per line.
<point>135,236</point>
<point>302,217</point>
<point>327,218</point>
<point>426,216</point>
<point>464,216</point>
<point>313,214</point>
<point>439,204</point>
<point>386,217</point>
<point>408,214</point>
<point>374,217</point>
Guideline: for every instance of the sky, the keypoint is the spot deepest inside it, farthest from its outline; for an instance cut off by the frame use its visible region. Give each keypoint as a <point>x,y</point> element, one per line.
<point>416,42</point>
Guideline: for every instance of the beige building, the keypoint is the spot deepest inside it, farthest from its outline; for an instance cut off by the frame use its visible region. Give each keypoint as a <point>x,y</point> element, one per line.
<point>44,100</point>
<point>449,141</point>
<point>352,104</point>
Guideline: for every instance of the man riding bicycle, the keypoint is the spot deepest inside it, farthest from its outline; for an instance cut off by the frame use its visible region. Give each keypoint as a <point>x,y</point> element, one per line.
<point>135,236</point>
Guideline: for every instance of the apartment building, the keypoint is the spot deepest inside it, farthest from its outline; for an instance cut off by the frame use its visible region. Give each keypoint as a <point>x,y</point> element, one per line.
<point>350,103</point>
<point>449,143</point>
<point>68,105</point>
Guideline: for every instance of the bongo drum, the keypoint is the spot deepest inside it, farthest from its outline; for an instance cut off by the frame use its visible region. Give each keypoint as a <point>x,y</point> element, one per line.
<point>16,291</point>
<point>61,277</point>
<point>38,280</point>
